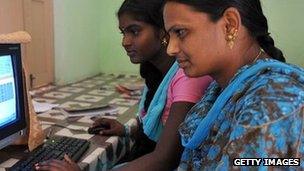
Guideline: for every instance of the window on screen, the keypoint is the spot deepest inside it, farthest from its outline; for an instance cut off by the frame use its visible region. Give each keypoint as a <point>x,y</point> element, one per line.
<point>7,91</point>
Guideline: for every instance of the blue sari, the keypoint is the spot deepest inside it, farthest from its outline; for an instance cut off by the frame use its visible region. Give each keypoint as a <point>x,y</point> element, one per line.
<point>258,115</point>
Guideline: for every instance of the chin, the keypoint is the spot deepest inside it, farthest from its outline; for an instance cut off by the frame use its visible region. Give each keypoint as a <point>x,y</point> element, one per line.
<point>135,60</point>
<point>191,73</point>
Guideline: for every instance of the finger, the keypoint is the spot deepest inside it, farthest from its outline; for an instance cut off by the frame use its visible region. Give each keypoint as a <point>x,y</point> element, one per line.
<point>102,121</point>
<point>45,167</point>
<point>68,159</point>
<point>50,168</point>
<point>49,165</point>
<point>50,162</point>
<point>52,165</point>
<point>97,122</point>
<point>121,89</point>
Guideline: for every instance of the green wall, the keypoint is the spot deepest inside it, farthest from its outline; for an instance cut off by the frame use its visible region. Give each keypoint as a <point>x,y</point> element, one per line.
<point>87,38</point>
<point>285,18</point>
<point>113,58</point>
<point>77,39</point>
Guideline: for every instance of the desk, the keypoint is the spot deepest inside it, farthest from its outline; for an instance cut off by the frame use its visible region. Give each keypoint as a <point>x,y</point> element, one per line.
<point>104,152</point>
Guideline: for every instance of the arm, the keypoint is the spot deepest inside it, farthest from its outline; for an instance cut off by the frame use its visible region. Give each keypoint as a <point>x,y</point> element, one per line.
<point>270,122</point>
<point>185,92</point>
<point>169,149</point>
<point>114,127</point>
<point>279,138</point>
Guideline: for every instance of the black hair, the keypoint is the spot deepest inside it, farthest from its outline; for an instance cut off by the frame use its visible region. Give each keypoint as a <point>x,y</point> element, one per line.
<point>153,78</point>
<point>150,12</point>
<point>251,15</point>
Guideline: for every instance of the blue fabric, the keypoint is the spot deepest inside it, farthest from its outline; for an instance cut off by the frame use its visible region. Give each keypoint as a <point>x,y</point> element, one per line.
<point>257,116</point>
<point>152,124</point>
<point>205,125</point>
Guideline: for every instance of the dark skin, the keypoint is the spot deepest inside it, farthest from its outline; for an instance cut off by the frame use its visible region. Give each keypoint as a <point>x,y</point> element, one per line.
<point>142,43</point>
<point>201,47</point>
<point>56,165</point>
<point>168,150</point>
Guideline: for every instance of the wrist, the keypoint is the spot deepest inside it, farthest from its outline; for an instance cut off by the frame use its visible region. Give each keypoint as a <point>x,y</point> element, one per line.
<point>127,130</point>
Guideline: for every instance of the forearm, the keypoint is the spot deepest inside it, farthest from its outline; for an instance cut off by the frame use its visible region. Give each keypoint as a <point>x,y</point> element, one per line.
<point>167,153</point>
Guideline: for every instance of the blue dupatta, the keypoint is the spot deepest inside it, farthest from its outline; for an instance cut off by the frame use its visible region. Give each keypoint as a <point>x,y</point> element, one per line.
<point>152,124</point>
<point>205,125</point>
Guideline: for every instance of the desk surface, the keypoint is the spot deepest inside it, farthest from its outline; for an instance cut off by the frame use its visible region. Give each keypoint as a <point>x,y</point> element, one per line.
<point>104,152</point>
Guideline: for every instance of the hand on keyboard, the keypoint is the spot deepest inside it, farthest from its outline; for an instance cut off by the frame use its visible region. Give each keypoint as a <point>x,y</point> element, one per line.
<point>58,165</point>
<point>53,150</point>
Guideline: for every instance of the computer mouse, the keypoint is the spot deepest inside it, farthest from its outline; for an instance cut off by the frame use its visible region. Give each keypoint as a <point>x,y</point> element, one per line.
<point>96,129</point>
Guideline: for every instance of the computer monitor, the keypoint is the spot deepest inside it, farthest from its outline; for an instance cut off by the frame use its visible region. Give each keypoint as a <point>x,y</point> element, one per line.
<point>12,114</point>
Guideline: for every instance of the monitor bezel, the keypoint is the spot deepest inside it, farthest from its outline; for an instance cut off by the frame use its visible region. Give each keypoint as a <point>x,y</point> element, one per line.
<point>13,127</point>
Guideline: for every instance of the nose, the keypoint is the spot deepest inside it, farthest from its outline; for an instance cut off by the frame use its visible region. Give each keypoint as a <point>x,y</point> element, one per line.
<point>173,48</point>
<point>126,41</point>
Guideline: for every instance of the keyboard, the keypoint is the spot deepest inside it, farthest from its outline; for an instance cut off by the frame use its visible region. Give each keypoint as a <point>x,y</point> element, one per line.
<point>54,148</point>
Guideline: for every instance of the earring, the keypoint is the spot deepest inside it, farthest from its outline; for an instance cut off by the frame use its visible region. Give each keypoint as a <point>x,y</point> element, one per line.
<point>231,38</point>
<point>164,42</point>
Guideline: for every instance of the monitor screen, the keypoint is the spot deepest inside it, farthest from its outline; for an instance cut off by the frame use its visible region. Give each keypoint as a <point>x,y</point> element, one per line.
<point>12,115</point>
<point>7,91</point>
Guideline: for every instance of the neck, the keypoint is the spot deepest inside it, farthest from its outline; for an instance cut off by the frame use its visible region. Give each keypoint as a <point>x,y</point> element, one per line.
<point>236,61</point>
<point>162,61</point>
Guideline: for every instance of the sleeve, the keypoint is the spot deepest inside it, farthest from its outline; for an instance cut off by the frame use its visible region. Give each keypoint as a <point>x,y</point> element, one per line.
<point>280,139</point>
<point>270,123</point>
<point>189,89</point>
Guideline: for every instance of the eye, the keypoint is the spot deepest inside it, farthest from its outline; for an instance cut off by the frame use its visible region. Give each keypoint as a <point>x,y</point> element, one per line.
<point>135,32</point>
<point>180,32</point>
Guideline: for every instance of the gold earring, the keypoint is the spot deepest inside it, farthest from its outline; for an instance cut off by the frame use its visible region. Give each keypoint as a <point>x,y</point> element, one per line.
<point>231,38</point>
<point>164,42</point>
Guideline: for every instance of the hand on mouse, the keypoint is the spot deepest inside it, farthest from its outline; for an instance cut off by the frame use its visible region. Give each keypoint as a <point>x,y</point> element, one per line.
<point>112,127</point>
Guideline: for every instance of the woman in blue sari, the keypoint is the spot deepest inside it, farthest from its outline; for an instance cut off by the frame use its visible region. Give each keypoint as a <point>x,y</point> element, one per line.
<point>254,108</point>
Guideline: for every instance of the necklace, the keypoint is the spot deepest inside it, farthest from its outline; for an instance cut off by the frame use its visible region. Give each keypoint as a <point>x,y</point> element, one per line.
<point>257,57</point>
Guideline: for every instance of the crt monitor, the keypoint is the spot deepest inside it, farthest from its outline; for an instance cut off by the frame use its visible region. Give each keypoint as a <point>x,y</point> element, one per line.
<point>12,116</point>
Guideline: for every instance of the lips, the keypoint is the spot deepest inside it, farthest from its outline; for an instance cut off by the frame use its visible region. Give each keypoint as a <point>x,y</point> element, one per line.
<point>182,63</point>
<point>131,53</point>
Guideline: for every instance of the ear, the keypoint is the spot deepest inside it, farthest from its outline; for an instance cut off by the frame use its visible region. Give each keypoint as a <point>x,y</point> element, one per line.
<point>232,20</point>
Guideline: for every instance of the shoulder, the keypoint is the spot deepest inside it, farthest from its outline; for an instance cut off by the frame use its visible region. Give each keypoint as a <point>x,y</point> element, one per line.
<point>183,88</point>
<point>180,78</point>
<point>272,95</point>
<point>270,112</point>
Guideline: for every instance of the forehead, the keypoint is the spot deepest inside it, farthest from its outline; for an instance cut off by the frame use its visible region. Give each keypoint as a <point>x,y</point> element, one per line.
<point>181,14</point>
<point>126,19</point>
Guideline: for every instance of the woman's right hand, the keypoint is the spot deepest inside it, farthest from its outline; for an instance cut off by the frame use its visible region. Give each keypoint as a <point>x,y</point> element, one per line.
<point>58,165</point>
<point>113,127</point>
